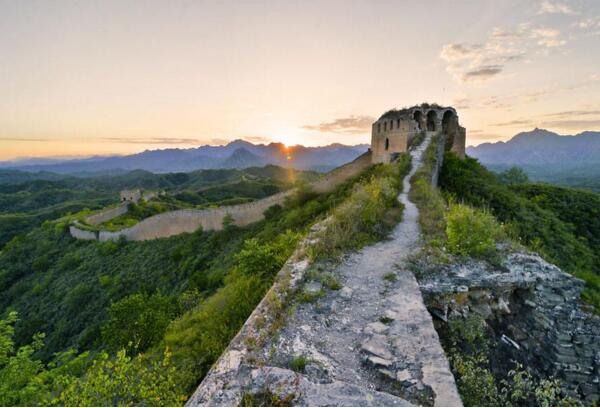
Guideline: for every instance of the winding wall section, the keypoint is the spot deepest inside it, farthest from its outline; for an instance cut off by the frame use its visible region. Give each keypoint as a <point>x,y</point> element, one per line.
<point>181,221</point>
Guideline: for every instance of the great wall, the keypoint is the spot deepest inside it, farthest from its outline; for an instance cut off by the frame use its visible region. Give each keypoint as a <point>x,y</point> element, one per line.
<point>354,354</point>
<point>374,342</point>
<point>181,221</point>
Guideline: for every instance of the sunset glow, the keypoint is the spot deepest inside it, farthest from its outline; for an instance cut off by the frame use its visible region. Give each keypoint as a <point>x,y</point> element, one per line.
<point>102,77</point>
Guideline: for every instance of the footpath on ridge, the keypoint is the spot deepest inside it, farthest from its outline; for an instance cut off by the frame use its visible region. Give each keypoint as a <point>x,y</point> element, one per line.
<point>371,343</point>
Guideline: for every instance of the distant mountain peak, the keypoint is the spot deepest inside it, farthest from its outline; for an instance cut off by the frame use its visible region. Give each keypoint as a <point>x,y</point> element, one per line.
<point>541,147</point>
<point>236,154</point>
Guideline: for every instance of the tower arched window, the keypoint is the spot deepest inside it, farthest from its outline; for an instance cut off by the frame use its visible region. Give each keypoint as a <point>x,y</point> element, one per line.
<point>387,143</point>
<point>385,126</point>
<point>379,128</point>
<point>398,124</point>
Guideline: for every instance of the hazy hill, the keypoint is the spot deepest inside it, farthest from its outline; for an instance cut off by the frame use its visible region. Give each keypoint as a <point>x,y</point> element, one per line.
<point>237,154</point>
<point>546,156</point>
<point>541,147</point>
<point>28,199</point>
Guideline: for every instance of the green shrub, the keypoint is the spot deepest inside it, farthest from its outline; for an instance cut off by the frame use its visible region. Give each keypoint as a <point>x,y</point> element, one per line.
<point>364,216</point>
<point>199,336</point>
<point>428,198</point>
<point>390,277</point>
<point>471,232</point>
<point>138,321</point>
<point>331,282</point>
<point>267,399</point>
<point>561,224</point>
<point>298,364</point>
<point>125,381</point>
<point>468,346</point>
<point>418,139</point>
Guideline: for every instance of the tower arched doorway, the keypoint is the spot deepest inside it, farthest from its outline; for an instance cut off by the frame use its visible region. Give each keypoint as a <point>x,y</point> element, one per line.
<point>431,120</point>
<point>447,120</point>
<point>418,117</point>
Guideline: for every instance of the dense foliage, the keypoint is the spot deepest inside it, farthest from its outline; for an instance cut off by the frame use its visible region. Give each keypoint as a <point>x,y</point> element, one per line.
<point>471,232</point>
<point>469,347</point>
<point>573,175</point>
<point>428,198</point>
<point>78,380</point>
<point>548,224</point>
<point>140,322</point>
<point>367,215</point>
<point>26,204</point>
<point>468,218</point>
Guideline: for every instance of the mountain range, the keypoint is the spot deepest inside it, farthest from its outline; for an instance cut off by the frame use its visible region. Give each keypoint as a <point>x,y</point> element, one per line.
<point>547,156</point>
<point>237,154</point>
<point>542,148</point>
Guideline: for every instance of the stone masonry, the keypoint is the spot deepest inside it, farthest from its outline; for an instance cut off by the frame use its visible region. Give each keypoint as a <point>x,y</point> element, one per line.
<point>534,310</point>
<point>394,131</point>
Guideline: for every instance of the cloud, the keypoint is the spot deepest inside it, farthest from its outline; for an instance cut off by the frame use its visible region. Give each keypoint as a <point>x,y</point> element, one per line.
<point>481,62</point>
<point>257,139</point>
<point>462,103</point>
<point>455,52</point>
<point>588,23</point>
<point>574,113</point>
<point>547,37</point>
<point>19,139</point>
<point>153,140</point>
<point>573,124</point>
<point>516,122</point>
<point>482,74</point>
<point>349,125</point>
<point>483,135</point>
<point>218,141</point>
<point>552,7</point>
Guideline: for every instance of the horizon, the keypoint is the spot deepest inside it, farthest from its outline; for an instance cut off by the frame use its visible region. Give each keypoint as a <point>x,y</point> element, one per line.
<point>82,157</point>
<point>107,78</point>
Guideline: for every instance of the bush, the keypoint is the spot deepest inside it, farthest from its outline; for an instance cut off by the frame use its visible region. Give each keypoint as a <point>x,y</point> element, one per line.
<point>298,364</point>
<point>561,224</point>
<point>428,198</point>
<point>471,232</point>
<point>125,381</point>
<point>199,336</point>
<point>479,385</point>
<point>365,216</point>
<point>138,321</point>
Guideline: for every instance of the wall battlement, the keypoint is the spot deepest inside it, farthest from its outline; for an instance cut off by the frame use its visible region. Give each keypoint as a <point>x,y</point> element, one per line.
<point>107,215</point>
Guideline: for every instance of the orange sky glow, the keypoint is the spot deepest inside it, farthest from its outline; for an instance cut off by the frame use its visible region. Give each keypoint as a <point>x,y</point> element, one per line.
<point>113,77</point>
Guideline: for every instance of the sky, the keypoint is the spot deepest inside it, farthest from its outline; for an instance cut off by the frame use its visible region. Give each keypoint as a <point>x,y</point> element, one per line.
<point>82,78</point>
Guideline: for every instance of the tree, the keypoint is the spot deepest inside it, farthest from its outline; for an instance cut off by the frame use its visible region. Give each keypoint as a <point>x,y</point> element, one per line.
<point>138,321</point>
<point>125,381</point>
<point>514,175</point>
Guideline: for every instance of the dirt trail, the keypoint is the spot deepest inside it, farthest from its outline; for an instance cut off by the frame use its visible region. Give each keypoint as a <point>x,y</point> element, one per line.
<point>372,342</point>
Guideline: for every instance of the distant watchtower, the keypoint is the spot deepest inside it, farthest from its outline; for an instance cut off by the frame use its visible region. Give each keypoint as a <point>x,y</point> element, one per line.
<point>393,132</point>
<point>131,196</point>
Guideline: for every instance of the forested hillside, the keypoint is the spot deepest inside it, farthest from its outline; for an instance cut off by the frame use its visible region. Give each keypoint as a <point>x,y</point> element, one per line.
<point>560,223</point>
<point>141,322</point>
<point>27,204</point>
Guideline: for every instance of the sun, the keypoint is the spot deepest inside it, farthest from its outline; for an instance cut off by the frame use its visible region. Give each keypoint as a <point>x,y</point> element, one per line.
<point>288,137</point>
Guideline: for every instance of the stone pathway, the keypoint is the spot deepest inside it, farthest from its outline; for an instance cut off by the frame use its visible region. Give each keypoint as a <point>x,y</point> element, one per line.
<point>372,342</point>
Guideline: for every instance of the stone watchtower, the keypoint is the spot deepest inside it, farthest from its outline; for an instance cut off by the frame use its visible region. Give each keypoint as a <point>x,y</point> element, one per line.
<point>131,196</point>
<point>394,130</point>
